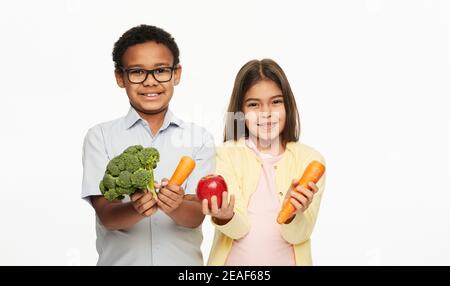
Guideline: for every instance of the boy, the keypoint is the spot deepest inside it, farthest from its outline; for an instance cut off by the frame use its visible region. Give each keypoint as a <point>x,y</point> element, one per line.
<point>144,230</point>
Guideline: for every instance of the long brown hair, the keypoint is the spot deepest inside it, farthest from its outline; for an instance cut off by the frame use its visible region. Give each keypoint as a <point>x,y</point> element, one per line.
<point>250,74</point>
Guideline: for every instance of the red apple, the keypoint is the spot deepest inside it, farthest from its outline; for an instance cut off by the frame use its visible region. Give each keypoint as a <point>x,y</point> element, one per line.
<point>211,185</point>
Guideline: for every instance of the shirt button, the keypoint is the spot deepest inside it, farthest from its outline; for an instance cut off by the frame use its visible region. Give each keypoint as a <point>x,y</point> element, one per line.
<point>280,193</point>
<point>275,167</point>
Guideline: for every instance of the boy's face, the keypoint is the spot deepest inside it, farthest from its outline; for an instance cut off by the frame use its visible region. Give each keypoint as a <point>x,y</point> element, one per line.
<point>150,96</point>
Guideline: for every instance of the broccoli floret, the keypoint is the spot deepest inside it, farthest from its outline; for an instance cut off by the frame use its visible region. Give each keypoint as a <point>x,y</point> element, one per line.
<point>109,181</point>
<point>129,172</point>
<point>124,179</point>
<point>125,191</point>
<point>132,163</point>
<point>140,178</point>
<point>149,157</point>
<point>102,187</point>
<point>113,167</point>
<point>111,195</point>
<point>133,149</point>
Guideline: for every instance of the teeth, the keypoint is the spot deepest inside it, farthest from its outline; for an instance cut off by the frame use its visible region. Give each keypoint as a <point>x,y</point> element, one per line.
<point>151,94</point>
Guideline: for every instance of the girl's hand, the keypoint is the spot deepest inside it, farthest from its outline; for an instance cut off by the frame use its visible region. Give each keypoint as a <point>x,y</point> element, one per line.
<point>220,215</point>
<point>301,197</point>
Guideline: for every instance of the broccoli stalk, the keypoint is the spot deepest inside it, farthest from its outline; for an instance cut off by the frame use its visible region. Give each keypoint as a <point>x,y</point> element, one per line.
<point>151,185</point>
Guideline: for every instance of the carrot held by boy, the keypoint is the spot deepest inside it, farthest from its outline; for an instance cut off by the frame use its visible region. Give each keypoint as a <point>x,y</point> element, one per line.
<point>171,192</point>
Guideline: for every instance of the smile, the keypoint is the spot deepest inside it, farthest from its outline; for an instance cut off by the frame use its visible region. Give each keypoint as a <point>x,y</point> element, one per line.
<point>154,94</point>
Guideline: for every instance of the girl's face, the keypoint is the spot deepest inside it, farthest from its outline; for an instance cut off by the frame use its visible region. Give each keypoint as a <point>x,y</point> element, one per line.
<point>264,111</point>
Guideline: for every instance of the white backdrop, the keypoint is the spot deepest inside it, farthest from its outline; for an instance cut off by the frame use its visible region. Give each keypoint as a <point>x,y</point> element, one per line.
<point>371,79</point>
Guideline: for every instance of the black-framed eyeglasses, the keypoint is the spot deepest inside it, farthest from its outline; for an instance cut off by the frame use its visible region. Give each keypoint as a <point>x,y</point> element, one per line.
<point>139,75</point>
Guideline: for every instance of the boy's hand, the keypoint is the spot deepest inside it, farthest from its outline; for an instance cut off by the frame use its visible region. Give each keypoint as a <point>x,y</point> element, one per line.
<point>144,203</point>
<point>301,198</point>
<point>170,197</point>
<point>221,215</point>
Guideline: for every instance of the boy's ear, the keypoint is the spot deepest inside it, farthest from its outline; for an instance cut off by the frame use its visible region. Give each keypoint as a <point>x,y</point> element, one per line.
<point>119,78</point>
<point>177,74</point>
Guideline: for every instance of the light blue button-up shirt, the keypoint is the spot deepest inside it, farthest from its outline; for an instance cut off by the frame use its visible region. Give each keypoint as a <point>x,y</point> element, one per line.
<point>155,240</point>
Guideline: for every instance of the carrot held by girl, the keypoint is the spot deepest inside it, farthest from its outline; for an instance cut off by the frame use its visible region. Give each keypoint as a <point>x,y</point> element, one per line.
<point>260,160</point>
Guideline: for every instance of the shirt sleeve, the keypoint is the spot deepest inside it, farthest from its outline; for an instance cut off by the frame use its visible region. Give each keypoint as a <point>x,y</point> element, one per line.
<point>204,163</point>
<point>94,160</point>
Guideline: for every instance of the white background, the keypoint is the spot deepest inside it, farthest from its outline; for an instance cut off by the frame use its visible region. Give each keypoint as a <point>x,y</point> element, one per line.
<point>371,79</point>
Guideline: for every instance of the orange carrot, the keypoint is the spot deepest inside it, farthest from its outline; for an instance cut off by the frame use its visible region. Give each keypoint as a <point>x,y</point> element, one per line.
<point>312,173</point>
<point>183,170</point>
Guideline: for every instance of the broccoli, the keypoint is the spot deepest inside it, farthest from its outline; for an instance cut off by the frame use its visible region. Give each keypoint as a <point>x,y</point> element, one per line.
<point>129,172</point>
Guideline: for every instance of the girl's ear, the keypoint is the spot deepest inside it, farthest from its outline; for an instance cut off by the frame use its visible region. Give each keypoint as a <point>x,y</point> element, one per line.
<point>119,78</point>
<point>177,74</point>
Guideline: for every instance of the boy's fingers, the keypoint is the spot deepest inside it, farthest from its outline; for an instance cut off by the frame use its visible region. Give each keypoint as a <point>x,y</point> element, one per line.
<point>145,198</point>
<point>176,189</point>
<point>163,206</point>
<point>168,193</point>
<point>166,199</point>
<point>150,212</point>
<point>146,206</point>
<point>164,182</point>
<point>136,196</point>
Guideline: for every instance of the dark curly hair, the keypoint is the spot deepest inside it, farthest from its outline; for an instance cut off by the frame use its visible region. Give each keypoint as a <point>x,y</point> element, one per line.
<point>142,34</point>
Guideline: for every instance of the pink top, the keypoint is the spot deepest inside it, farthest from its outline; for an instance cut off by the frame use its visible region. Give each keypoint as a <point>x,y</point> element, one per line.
<point>263,245</point>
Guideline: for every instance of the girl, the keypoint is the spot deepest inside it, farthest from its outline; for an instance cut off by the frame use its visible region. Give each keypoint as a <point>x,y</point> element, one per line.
<point>261,161</point>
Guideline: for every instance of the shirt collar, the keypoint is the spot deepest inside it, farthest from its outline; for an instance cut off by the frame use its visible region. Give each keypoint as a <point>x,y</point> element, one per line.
<point>132,117</point>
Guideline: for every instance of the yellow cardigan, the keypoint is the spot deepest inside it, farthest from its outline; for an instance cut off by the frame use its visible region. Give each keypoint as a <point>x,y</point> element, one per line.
<point>241,169</point>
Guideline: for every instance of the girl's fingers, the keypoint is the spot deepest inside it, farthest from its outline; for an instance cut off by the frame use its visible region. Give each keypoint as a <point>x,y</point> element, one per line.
<point>307,193</point>
<point>314,187</point>
<point>214,208</point>
<point>301,199</point>
<point>225,202</point>
<point>205,208</point>
<point>232,200</point>
<point>297,205</point>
